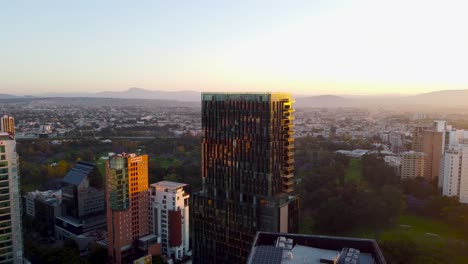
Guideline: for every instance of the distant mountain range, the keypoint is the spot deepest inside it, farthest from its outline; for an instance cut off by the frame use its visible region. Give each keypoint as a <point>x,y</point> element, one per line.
<point>446,98</point>
<point>134,93</point>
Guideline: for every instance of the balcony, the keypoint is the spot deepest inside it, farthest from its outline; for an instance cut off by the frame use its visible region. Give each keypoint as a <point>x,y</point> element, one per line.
<point>287,176</point>
<point>288,183</point>
<point>288,170</point>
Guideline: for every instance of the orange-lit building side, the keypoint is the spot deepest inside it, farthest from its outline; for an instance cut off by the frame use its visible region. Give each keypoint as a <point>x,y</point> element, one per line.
<point>7,124</point>
<point>128,214</point>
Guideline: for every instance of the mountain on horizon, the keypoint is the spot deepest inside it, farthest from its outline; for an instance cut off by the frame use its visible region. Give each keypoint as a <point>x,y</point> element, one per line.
<point>134,93</point>
<point>8,96</point>
<point>444,98</point>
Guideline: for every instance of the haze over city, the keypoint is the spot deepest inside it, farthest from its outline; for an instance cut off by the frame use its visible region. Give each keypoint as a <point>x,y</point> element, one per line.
<point>233,132</point>
<point>304,47</point>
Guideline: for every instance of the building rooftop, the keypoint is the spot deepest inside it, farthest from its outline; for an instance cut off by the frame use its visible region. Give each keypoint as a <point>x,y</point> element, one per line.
<point>5,136</point>
<point>148,237</point>
<point>413,153</point>
<point>272,248</point>
<point>245,96</point>
<point>78,173</point>
<point>169,184</point>
<point>49,196</point>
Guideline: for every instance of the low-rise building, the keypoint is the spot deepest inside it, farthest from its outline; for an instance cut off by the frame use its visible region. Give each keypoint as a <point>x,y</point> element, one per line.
<point>83,206</point>
<point>44,207</point>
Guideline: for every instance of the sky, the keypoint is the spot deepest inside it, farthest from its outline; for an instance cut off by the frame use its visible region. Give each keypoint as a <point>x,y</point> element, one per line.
<point>354,47</point>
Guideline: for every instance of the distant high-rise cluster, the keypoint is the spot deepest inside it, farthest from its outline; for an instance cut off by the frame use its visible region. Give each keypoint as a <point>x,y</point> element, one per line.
<point>247,173</point>
<point>11,237</point>
<point>445,152</point>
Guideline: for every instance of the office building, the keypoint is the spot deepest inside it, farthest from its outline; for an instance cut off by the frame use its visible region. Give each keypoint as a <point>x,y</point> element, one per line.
<point>247,175</point>
<point>7,124</point>
<point>127,194</point>
<point>433,148</point>
<point>278,248</point>
<point>11,247</point>
<point>413,164</point>
<point>44,207</point>
<point>83,204</point>
<point>169,217</point>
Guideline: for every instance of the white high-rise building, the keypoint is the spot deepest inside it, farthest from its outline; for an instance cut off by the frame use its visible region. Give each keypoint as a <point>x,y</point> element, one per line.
<point>454,171</point>
<point>464,175</point>
<point>451,171</point>
<point>169,217</point>
<point>11,237</point>
<point>439,125</point>
<point>451,139</point>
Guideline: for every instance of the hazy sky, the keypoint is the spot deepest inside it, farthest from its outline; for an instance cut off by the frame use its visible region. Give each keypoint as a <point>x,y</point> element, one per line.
<point>314,47</point>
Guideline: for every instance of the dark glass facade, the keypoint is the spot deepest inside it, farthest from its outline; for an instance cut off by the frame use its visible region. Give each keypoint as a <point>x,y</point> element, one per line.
<point>247,170</point>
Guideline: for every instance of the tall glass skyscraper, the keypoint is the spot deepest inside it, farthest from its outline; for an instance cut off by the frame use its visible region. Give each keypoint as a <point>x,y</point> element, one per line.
<point>247,170</point>
<point>11,236</point>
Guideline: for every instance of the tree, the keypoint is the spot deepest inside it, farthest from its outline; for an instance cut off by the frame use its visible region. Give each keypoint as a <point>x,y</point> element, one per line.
<point>98,255</point>
<point>158,260</point>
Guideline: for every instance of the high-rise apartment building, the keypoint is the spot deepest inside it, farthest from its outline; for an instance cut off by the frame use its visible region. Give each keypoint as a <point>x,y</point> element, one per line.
<point>418,137</point>
<point>451,139</point>
<point>127,196</point>
<point>439,125</point>
<point>7,124</point>
<point>451,171</point>
<point>454,171</point>
<point>433,148</point>
<point>413,164</point>
<point>247,174</point>
<point>169,217</point>
<point>11,237</point>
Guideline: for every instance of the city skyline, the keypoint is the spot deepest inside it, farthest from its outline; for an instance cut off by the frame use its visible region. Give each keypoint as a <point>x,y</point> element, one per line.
<point>304,47</point>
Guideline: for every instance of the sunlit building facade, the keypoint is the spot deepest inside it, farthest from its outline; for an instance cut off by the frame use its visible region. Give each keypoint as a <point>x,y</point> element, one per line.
<point>127,194</point>
<point>247,174</point>
<point>169,217</point>
<point>7,124</point>
<point>11,237</point>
